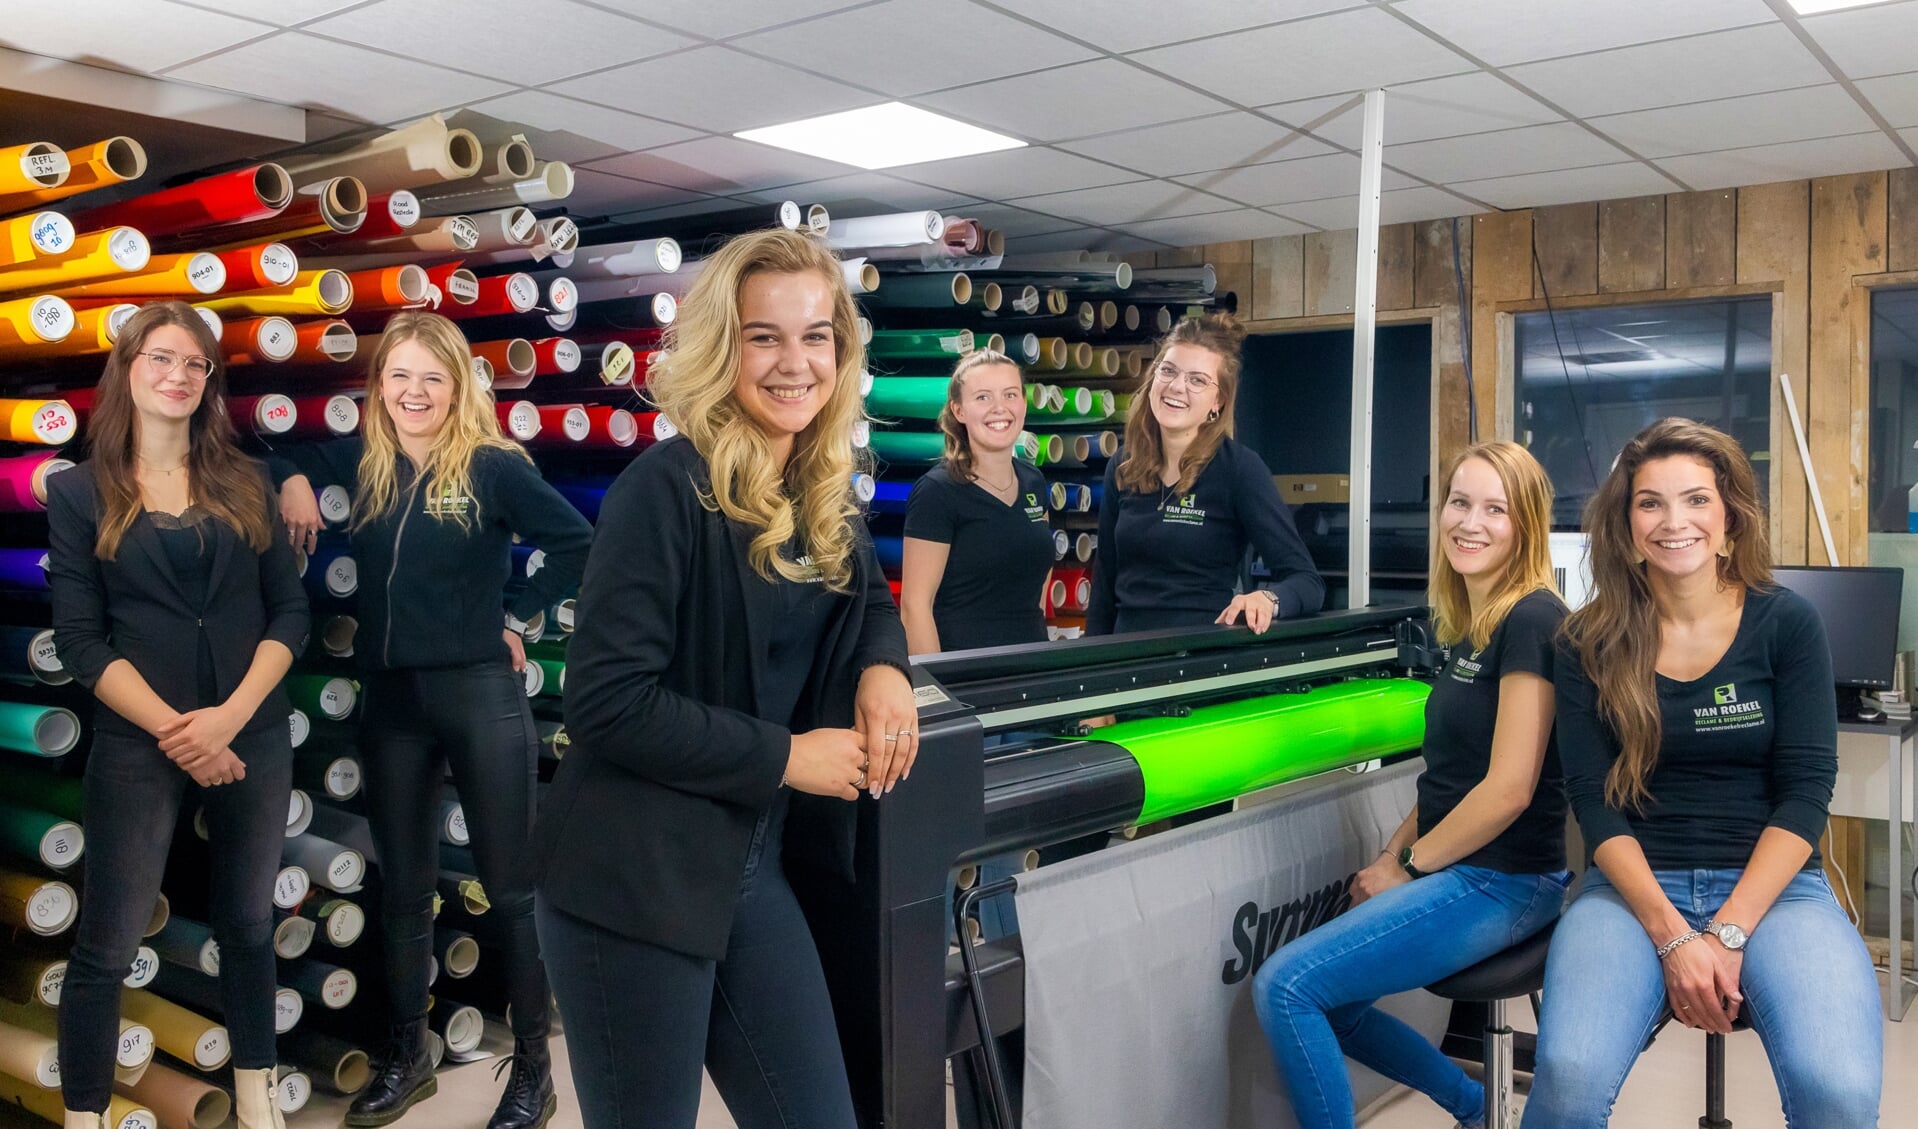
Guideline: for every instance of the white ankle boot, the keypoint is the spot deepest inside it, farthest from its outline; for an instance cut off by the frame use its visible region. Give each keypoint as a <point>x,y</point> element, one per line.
<point>256,1099</point>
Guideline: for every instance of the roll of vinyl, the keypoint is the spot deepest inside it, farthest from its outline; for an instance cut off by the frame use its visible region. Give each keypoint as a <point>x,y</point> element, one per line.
<point>562,425</point>
<point>327,417</point>
<point>41,731</point>
<point>30,1055</point>
<point>645,258</point>
<point>461,1025</point>
<point>256,341</point>
<point>426,152</point>
<point>337,1065</point>
<point>520,418</point>
<point>295,1089</point>
<point>268,415</point>
<point>34,235</point>
<point>292,935</point>
<point>328,863</point>
<point>610,428</point>
<point>190,275</point>
<point>43,319</point>
<point>330,771</point>
<point>179,1100</point>
<point>23,480</point>
<point>252,193</point>
<point>259,265</point>
<point>44,906</point>
<point>311,293</point>
<point>94,257</point>
<point>122,1112</point>
<point>189,944</point>
<point>920,344</point>
<point>908,397</point>
<point>388,288</point>
<point>24,569</point>
<point>330,986</point>
<point>909,447</point>
<point>897,229</point>
<point>390,215</point>
<point>30,979</point>
<point>29,833</point>
<point>457,951</point>
<point>341,921</point>
<point>331,571</point>
<point>321,695</point>
<point>549,182</point>
<point>555,356</point>
<point>48,422</point>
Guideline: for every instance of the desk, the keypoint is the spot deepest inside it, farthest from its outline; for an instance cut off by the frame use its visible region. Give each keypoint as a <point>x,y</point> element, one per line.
<point>1897,736</point>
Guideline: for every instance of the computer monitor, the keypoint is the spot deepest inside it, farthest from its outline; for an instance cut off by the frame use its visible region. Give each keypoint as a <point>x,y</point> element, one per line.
<point>1860,610</point>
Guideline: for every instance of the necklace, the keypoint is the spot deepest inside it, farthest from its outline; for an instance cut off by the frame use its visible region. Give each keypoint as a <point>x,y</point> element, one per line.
<point>996,488</point>
<point>169,472</point>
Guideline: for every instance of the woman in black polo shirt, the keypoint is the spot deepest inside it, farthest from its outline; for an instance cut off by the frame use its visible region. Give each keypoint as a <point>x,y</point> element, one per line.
<point>1700,736</point>
<point>1185,499</point>
<point>978,546</point>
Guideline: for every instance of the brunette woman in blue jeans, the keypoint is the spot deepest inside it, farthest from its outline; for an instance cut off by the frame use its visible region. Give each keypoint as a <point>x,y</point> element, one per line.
<point>1700,737</point>
<point>1479,864</point>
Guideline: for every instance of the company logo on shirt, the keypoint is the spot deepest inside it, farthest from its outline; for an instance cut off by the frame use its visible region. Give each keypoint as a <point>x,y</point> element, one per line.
<point>1184,512</point>
<point>1467,669</point>
<point>808,571</point>
<point>1034,511</point>
<point>448,505</point>
<point>1727,712</point>
<point>1725,695</point>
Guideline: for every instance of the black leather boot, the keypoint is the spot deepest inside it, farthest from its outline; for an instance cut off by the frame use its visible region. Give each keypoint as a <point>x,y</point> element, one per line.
<point>529,1101</point>
<point>402,1076</point>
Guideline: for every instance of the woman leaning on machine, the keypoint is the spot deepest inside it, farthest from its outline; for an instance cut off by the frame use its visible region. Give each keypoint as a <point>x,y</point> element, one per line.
<point>440,495</point>
<point>177,601</point>
<point>1700,737</point>
<point>1479,864</point>
<point>738,676</point>
<point>1184,499</point>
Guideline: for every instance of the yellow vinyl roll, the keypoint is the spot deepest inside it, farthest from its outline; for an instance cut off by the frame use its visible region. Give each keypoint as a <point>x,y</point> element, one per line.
<point>94,331</point>
<point>180,1100</point>
<point>187,1036</point>
<point>34,235</point>
<point>95,256</point>
<point>113,161</point>
<point>165,276</point>
<point>29,1055</point>
<point>42,905</point>
<point>122,1112</point>
<point>47,422</point>
<point>32,167</point>
<point>311,292</point>
<point>32,981</point>
<point>37,320</point>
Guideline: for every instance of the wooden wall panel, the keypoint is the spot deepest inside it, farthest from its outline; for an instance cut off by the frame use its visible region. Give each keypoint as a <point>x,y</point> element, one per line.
<point>1774,246</point>
<point>1233,263</point>
<point>1182,257</point>
<point>1397,263</point>
<point>1902,219</point>
<point>1331,271</point>
<point>1278,277</point>
<point>1848,236</point>
<point>1433,274</point>
<point>1501,272</point>
<point>1701,230</point>
<point>1567,249</point>
<point>1631,245</point>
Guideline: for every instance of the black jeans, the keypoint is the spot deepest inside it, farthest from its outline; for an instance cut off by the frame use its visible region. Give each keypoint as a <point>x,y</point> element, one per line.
<point>415,723</point>
<point>133,799</point>
<point>641,1019</point>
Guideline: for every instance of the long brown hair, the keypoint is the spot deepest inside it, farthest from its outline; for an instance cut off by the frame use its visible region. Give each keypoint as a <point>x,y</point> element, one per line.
<point>1528,502</point>
<point>1616,633</point>
<point>695,384</point>
<point>220,478</point>
<point>1144,445</point>
<point>958,439</point>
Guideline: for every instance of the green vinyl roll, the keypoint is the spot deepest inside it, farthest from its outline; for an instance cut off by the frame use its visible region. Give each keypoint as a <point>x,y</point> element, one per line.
<point>1047,449</point>
<point>1222,752</point>
<point>908,397</point>
<point>925,447</point>
<point>64,796</point>
<point>41,731</point>
<point>322,696</point>
<point>908,344</point>
<point>34,834</point>
<point>930,290</point>
<point>1074,402</point>
<point>554,683</point>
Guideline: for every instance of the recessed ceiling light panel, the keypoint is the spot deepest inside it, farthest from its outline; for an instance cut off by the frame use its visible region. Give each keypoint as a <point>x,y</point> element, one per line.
<point>1815,7</point>
<point>880,137</point>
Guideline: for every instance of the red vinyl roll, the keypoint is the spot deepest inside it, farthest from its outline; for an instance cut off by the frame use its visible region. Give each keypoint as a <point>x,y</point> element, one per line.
<point>325,342</point>
<point>256,192</point>
<point>254,341</point>
<point>563,424</point>
<point>1078,588</point>
<point>654,426</point>
<point>611,427</point>
<point>325,417</point>
<point>259,266</point>
<point>390,215</point>
<point>520,418</point>
<point>555,356</point>
<point>267,416</point>
<point>389,288</point>
<point>458,286</point>
<point>514,293</point>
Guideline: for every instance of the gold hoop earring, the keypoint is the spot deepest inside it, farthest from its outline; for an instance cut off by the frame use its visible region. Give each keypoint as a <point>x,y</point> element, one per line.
<point>1725,550</point>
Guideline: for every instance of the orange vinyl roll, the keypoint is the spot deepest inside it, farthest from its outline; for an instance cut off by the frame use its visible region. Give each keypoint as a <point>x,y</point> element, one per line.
<point>32,167</point>
<point>164,276</point>
<point>95,256</point>
<point>113,161</point>
<point>259,266</point>
<point>47,422</point>
<point>458,286</point>
<point>389,288</point>
<point>95,328</point>
<point>311,292</point>
<point>331,341</point>
<point>515,356</point>
<point>31,236</point>
<point>256,341</point>
<point>40,320</point>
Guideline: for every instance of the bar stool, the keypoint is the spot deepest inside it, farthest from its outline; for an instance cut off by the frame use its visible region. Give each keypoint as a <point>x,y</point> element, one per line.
<point>1714,1116</point>
<point>1516,972</point>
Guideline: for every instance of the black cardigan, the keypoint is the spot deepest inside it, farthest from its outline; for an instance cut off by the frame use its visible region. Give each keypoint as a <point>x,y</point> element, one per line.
<point>646,827</point>
<point>133,608</point>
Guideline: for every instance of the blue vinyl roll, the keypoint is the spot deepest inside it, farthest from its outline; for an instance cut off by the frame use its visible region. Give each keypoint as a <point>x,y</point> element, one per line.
<point>586,494</point>
<point>890,497</point>
<point>892,551</point>
<point>24,568</point>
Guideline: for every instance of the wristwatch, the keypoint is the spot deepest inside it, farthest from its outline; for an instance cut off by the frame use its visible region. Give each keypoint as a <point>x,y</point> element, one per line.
<point>1733,937</point>
<point>1405,862</point>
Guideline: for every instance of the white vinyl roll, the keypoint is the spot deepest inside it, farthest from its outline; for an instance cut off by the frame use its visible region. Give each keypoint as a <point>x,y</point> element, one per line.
<point>896,229</point>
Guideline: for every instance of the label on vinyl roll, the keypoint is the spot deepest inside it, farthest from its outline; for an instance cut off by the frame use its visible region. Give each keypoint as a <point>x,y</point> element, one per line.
<point>562,295</point>
<point>301,728</point>
<point>561,323</point>
<point>462,288</point>
<point>346,870</point>
<point>50,318</point>
<point>562,234</point>
<point>55,421</point>
<point>344,922</point>
<point>336,505</point>
<point>128,249</point>
<point>48,168</point>
<point>290,887</point>
<point>339,346</point>
<point>135,1047</point>
<point>118,317</point>
<point>522,419</point>
<point>62,845</point>
<point>50,909</point>
<point>861,433</point>
<point>275,339</point>
<point>522,292</point>
<point>566,354</point>
<point>464,232</point>
<point>343,778</point>
<point>51,233</point>
<point>287,1009</point>
<point>52,977</point>
<point>664,428</point>
<point>342,576</point>
<point>665,309</point>
<point>666,253</point>
<point>403,208</point>
<point>456,824</point>
<point>337,697</point>
<point>534,676</point>
<point>278,264</point>
<point>146,965</point>
<point>295,1089</point>
<point>205,272</point>
<point>292,937</point>
<point>274,414</point>
<point>339,988</point>
<point>139,1117</point>
<point>210,957</point>
<point>520,227</point>
<point>212,1049</point>
<point>789,215</point>
<point>43,655</point>
<point>616,364</point>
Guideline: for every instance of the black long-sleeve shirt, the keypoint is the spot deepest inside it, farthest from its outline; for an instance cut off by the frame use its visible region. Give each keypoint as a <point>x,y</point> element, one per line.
<point>1171,558</point>
<point>1751,744</point>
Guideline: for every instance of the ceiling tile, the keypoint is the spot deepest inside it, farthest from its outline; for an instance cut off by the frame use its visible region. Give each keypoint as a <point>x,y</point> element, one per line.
<point>874,191</point>
<point>720,166</point>
<point>1281,182</point>
<point>602,194</point>
<point>1345,51</point>
<point>1503,32</point>
<point>1422,111</point>
<point>1018,222</point>
<point>1869,41</point>
<point>1733,123</point>
<point>1910,136</point>
<point>1723,64</point>
<point>1219,227</point>
<point>1128,203</point>
<point>566,129</point>
<point>1406,205</point>
<point>1568,186</point>
<point>524,42</point>
<point>1895,96</point>
<point>715,88</point>
<point>1071,239</point>
<point>1015,172</point>
<point>303,70</point>
<point>1220,141</point>
<point>1827,156</point>
<point>1511,152</point>
<point>1072,101</point>
<point>285,13</point>
<point>720,18</point>
<point>919,54</point>
<point>135,35</point>
<point>1122,25</point>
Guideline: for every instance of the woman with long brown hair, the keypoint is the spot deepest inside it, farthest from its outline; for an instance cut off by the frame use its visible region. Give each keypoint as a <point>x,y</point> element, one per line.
<point>1184,499</point>
<point>177,601</point>
<point>1699,732</point>
<point>1479,864</point>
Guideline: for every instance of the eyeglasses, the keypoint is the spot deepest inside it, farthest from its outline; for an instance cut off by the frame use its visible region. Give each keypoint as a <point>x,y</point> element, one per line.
<point>1195,380</point>
<point>163,364</point>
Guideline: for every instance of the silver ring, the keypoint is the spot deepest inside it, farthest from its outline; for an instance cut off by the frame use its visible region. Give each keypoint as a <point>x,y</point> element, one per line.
<point>892,736</point>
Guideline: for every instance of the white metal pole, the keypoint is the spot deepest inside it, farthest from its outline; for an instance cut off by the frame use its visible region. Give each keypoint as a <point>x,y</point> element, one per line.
<point>1365,304</point>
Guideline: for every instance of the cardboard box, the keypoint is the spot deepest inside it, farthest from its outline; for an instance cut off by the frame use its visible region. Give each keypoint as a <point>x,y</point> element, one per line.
<point>1298,489</point>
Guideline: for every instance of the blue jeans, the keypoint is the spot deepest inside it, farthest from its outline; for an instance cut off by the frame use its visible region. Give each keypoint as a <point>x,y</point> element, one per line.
<point>1315,996</point>
<point>1809,989</point>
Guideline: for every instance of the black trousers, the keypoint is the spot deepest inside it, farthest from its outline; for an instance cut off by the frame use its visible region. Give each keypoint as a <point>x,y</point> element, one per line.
<point>415,724</point>
<point>133,799</point>
<point>641,1020</point>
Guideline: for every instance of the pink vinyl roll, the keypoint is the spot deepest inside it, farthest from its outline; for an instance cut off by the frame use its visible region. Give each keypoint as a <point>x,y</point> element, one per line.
<point>23,480</point>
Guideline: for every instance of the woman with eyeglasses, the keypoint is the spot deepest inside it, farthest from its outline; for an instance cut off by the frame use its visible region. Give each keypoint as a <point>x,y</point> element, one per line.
<point>1184,500</point>
<point>177,602</point>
